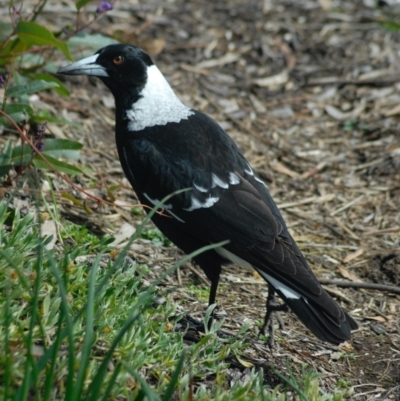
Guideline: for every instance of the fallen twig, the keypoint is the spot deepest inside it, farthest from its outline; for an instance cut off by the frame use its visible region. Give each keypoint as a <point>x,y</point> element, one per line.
<point>370,286</point>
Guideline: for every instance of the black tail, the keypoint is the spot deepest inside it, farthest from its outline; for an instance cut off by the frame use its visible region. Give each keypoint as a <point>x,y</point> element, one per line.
<point>324,325</point>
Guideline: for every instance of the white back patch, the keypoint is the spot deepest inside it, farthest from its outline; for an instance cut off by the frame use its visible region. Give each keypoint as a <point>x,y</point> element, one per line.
<point>158,104</point>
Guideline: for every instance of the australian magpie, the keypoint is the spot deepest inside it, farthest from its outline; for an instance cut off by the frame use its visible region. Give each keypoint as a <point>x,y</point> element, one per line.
<point>164,147</point>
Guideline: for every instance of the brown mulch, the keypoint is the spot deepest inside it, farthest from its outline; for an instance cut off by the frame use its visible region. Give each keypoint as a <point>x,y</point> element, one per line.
<point>310,91</point>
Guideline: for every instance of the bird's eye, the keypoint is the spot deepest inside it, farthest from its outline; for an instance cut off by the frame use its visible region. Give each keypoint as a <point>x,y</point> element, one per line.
<point>118,60</point>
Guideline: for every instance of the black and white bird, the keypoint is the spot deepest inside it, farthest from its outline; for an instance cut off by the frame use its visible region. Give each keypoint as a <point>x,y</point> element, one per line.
<point>164,147</point>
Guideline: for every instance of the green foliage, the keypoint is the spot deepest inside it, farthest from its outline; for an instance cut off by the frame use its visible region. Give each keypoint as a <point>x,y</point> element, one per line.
<point>21,156</point>
<point>391,26</point>
<point>81,237</point>
<point>103,322</point>
<point>200,293</point>
<point>156,237</point>
<point>27,51</point>
<point>33,34</point>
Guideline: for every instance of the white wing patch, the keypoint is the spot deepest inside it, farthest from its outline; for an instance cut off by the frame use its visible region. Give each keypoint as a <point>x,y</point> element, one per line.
<point>158,104</point>
<point>233,179</point>
<point>250,171</point>
<point>200,188</point>
<point>211,199</point>
<point>284,289</point>
<point>216,181</point>
<point>257,179</point>
<point>168,207</point>
<point>198,204</point>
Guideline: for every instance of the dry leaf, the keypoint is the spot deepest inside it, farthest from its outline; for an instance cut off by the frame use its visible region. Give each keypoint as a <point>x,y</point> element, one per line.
<point>153,46</point>
<point>226,59</point>
<point>353,255</point>
<point>124,233</point>
<point>273,82</point>
<point>244,363</point>
<point>49,229</point>
<point>281,168</point>
<point>346,274</point>
<point>376,318</point>
<point>393,111</point>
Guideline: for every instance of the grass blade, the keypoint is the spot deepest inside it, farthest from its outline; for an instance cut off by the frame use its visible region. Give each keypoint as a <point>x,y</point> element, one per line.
<point>48,384</point>
<point>174,380</point>
<point>111,382</point>
<point>151,395</point>
<point>89,331</point>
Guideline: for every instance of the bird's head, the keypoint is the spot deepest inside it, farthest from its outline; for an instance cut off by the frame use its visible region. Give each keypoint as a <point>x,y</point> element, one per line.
<point>119,66</point>
<point>142,95</point>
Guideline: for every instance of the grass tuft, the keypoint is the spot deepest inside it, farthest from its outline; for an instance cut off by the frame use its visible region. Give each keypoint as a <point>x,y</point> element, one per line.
<point>75,328</point>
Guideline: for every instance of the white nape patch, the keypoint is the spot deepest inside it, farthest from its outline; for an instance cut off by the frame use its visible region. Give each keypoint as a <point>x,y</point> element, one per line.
<point>284,289</point>
<point>233,179</point>
<point>200,188</point>
<point>216,181</point>
<point>158,104</point>
<point>197,204</point>
<point>166,207</point>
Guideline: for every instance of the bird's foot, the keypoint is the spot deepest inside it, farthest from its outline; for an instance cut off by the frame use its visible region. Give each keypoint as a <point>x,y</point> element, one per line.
<point>192,327</point>
<point>188,322</point>
<point>273,309</point>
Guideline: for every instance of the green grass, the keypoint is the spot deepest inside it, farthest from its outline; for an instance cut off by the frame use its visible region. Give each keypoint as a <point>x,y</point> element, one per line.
<point>73,330</point>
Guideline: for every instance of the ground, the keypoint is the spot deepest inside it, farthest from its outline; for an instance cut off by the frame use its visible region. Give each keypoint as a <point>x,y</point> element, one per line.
<point>310,91</point>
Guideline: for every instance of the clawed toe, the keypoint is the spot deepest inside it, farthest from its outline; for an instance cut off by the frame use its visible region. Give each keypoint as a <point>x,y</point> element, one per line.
<point>273,309</point>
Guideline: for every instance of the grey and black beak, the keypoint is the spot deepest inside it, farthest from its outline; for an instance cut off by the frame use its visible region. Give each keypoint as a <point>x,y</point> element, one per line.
<point>86,66</point>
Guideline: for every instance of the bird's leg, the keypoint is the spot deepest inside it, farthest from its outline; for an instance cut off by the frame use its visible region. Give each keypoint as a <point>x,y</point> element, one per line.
<point>212,297</point>
<point>273,308</point>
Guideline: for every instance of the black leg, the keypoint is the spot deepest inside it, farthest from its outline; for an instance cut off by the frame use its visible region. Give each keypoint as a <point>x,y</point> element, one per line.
<point>212,298</point>
<point>213,291</point>
<point>272,310</point>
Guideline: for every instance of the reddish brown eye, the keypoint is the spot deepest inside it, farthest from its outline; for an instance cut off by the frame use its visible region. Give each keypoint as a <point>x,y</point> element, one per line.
<point>118,60</point>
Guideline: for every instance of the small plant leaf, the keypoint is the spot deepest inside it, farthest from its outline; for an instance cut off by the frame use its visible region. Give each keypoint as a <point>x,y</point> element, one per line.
<point>61,90</point>
<point>32,87</point>
<point>62,167</point>
<point>6,153</point>
<point>72,198</point>
<point>43,115</point>
<point>6,29</point>
<point>4,169</point>
<point>12,49</point>
<point>52,144</point>
<point>52,147</point>
<point>391,26</point>
<point>17,112</point>
<point>33,34</point>
<point>81,3</point>
<point>18,108</point>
